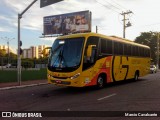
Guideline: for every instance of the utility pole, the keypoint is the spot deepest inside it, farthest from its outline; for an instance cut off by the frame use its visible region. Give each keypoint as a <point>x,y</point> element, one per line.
<point>43,3</point>
<point>96,29</point>
<point>158,50</point>
<point>124,22</point>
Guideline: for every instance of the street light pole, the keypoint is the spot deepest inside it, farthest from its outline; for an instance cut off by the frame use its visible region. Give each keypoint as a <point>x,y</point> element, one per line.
<point>19,56</point>
<point>157,50</point>
<point>18,52</point>
<point>43,3</point>
<point>8,51</point>
<point>8,39</point>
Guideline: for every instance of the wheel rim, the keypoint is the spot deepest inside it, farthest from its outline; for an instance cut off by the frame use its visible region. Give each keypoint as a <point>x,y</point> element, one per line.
<point>100,82</point>
<point>136,77</point>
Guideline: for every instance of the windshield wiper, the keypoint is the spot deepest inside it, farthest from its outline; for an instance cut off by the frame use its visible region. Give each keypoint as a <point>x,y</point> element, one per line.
<point>56,49</point>
<point>61,59</point>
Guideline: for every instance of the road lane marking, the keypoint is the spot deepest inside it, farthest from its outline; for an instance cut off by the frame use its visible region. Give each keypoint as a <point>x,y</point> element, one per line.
<point>108,96</point>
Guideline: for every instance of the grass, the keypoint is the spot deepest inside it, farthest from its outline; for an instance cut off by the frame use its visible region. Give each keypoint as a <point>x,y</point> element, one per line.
<point>11,76</point>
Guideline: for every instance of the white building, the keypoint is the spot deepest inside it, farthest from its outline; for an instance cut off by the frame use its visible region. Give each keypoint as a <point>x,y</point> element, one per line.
<point>33,52</point>
<point>25,53</point>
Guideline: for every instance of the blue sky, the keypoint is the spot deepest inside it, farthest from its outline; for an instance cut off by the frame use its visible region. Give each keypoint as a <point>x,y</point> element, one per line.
<point>105,14</point>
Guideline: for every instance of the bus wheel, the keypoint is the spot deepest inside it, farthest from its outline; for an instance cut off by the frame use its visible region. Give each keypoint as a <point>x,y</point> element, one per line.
<point>136,76</point>
<point>100,82</point>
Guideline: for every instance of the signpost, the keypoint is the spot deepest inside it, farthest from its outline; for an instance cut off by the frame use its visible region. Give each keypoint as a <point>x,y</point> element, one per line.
<point>43,3</point>
<point>20,43</point>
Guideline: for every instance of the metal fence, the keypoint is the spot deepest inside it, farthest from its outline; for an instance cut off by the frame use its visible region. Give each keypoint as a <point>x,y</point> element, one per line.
<point>32,69</point>
<point>6,62</point>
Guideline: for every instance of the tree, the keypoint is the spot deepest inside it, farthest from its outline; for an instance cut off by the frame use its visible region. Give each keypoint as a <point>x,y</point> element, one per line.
<point>27,63</point>
<point>2,52</point>
<point>149,39</point>
<point>13,56</point>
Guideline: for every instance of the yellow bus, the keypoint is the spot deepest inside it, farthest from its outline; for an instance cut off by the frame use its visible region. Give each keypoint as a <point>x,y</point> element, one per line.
<point>91,59</point>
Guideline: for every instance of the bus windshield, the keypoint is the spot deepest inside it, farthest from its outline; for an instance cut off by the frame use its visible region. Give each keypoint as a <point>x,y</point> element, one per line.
<point>66,53</point>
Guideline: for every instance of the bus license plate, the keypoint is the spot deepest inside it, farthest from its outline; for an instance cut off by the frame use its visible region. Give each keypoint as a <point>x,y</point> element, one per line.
<point>58,81</point>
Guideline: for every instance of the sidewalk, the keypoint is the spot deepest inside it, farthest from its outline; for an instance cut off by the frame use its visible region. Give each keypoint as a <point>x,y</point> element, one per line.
<point>23,84</point>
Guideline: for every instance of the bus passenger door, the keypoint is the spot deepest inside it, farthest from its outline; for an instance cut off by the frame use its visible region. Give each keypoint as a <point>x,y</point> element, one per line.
<point>89,60</point>
<point>89,64</point>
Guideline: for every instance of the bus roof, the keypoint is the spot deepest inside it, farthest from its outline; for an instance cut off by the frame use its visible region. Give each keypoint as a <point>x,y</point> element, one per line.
<point>114,38</point>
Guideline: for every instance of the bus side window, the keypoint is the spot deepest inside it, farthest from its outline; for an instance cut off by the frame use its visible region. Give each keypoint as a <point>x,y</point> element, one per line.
<point>117,49</point>
<point>126,49</point>
<point>109,47</point>
<point>129,50</point>
<point>133,51</point>
<point>121,52</point>
<point>106,46</point>
<point>103,46</point>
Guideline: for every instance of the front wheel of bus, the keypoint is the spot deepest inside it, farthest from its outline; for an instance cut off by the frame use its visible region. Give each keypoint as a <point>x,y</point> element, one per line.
<point>100,82</point>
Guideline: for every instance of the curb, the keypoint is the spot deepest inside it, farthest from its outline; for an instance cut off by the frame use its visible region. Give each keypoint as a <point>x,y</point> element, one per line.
<point>22,86</point>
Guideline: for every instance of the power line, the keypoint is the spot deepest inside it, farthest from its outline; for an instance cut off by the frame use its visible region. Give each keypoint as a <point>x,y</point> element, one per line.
<point>107,6</point>
<point>119,5</point>
<point>113,5</point>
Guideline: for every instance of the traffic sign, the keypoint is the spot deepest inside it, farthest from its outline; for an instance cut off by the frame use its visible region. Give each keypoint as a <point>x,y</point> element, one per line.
<point>44,3</point>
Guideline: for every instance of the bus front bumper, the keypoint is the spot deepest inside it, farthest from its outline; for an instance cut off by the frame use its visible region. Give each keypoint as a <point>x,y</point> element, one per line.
<point>76,82</point>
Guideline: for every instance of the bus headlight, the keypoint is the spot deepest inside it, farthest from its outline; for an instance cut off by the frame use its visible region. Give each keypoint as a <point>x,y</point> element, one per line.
<point>75,76</point>
<point>50,76</point>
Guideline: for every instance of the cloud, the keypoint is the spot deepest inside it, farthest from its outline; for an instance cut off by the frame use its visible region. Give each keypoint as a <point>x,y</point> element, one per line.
<point>102,16</point>
<point>33,18</point>
<point>16,5</point>
<point>4,29</point>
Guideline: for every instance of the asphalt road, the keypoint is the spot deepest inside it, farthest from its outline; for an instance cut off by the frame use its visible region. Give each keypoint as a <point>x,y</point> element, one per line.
<point>142,95</point>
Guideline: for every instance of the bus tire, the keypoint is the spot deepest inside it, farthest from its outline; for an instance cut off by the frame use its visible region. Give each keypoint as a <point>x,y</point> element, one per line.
<point>100,82</point>
<point>136,76</point>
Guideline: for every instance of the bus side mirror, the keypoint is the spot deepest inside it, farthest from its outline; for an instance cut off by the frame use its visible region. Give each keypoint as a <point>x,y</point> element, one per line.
<point>89,50</point>
<point>46,51</point>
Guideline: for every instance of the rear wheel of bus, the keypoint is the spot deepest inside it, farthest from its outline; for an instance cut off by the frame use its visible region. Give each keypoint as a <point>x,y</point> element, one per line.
<point>136,76</point>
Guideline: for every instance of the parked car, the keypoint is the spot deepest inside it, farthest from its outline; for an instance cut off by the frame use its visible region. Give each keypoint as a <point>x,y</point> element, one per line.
<point>8,65</point>
<point>153,69</point>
